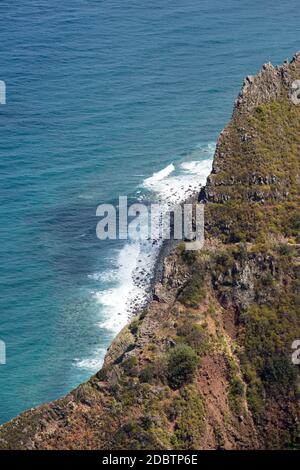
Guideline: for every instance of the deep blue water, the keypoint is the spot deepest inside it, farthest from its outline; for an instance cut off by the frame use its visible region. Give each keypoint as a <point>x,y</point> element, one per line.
<point>100,95</point>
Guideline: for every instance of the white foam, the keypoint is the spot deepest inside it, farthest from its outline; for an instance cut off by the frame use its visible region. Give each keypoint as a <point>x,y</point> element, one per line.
<point>188,180</point>
<point>92,363</point>
<point>128,294</point>
<point>159,175</point>
<point>105,276</point>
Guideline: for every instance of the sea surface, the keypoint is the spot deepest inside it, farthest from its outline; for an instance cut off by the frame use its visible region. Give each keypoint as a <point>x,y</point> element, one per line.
<point>104,98</point>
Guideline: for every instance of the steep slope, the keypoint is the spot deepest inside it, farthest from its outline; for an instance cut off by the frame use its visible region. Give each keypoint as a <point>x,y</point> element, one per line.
<point>208,365</point>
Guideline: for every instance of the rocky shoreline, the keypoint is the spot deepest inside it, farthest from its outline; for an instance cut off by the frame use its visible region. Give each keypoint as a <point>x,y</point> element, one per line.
<point>157,274</point>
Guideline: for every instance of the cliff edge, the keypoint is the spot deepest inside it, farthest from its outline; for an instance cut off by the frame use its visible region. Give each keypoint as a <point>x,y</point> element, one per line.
<point>209,364</point>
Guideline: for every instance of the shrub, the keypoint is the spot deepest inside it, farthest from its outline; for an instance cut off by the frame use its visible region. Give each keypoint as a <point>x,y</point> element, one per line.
<point>189,257</point>
<point>102,374</point>
<point>130,366</point>
<point>278,373</point>
<point>236,387</point>
<point>261,110</point>
<point>194,291</point>
<point>148,374</point>
<point>143,314</point>
<point>182,365</point>
<point>155,371</point>
<point>134,327</point>
<point>237,236</point>
<point>286,250</point>
<point>195,336</point>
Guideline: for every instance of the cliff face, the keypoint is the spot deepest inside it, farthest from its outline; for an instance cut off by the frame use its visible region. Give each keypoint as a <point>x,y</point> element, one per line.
<point>208,365</point>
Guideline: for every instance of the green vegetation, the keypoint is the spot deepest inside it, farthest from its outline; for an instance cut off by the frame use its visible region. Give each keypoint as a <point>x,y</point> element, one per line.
<point>140,434</point>
<point>188,413</point>
<point>154,372</point>
<point>134,326</point>
<point>196,336</point>
<point>130,366</point>
<point>194,291</point>
<point>188,256</point>
<point>266,360</point>
<point>264,198</point>
<point>236,393</point>
<point>182,365</point>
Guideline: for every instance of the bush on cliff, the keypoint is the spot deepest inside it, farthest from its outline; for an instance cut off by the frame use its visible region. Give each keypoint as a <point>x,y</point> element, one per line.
<point>182,365</point>
<point>196,336</point>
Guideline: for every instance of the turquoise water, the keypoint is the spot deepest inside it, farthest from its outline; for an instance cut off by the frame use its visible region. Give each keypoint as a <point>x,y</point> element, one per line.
<point>100,96</point>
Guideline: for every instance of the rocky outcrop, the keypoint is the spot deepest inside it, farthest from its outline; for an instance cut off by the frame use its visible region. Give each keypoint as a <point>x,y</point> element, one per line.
<point>208,364</point>
<point>242,145</point>
<point>271,84</point>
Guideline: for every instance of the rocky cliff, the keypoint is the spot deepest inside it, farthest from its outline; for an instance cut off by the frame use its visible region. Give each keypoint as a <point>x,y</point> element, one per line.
<point>208,364</point>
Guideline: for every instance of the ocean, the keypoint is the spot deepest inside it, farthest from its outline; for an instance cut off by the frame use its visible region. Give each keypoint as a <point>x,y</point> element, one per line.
<point>104,98</point>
